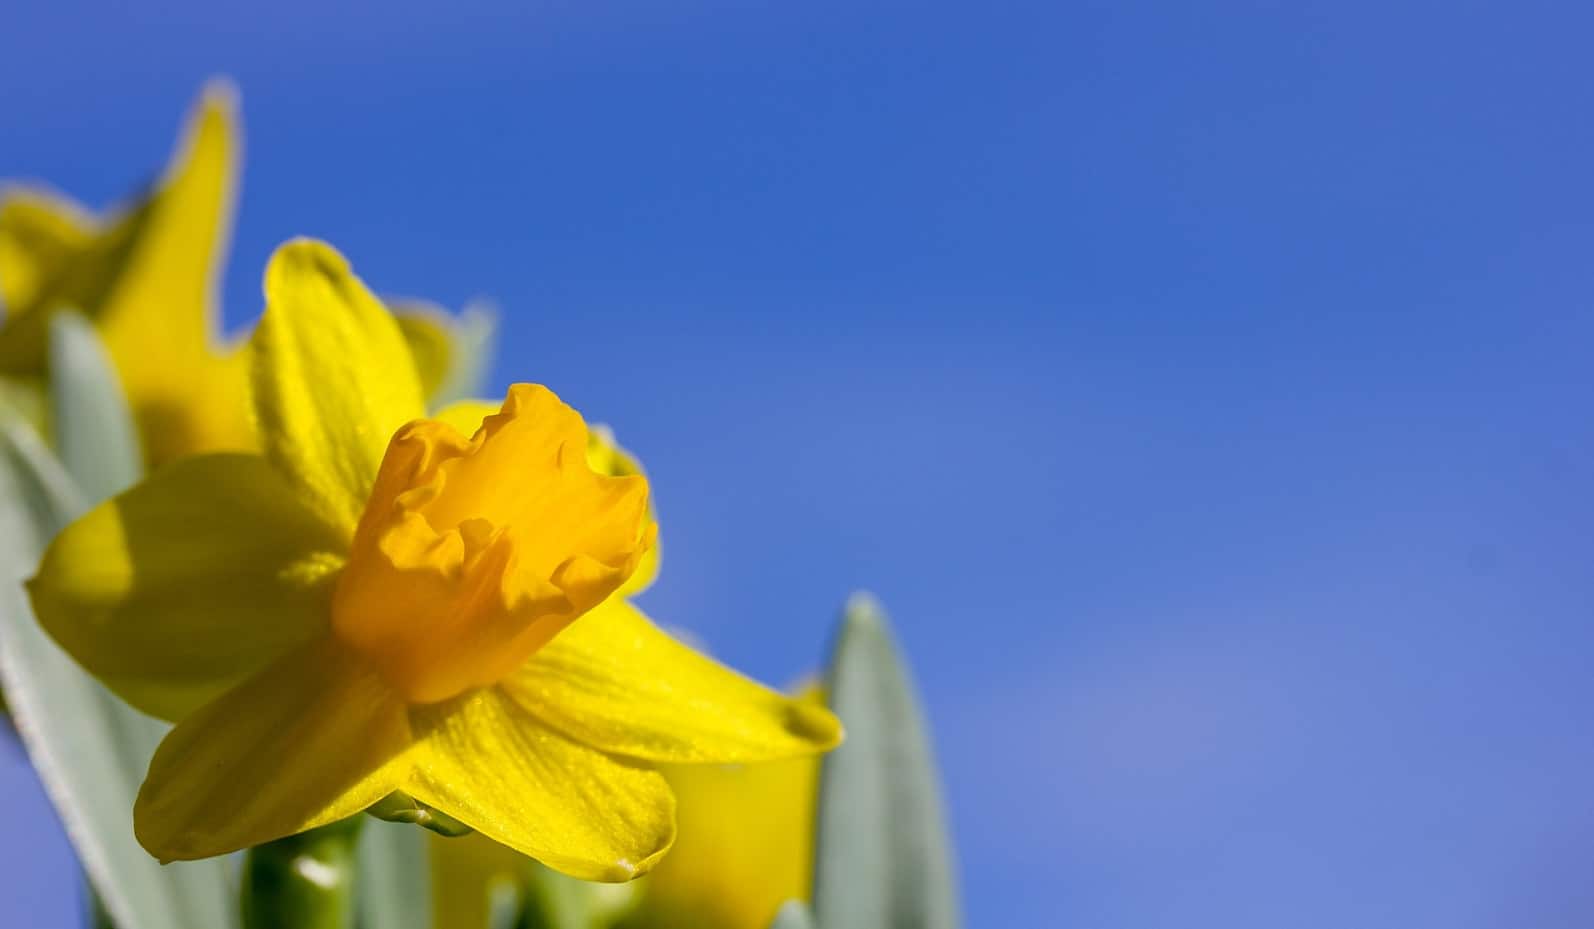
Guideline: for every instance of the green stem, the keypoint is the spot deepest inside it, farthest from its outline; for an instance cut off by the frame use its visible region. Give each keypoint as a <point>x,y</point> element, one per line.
<point>304,881</point>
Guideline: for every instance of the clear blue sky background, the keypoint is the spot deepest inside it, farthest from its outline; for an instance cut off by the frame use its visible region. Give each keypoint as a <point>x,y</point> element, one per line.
<point>1206,388</point>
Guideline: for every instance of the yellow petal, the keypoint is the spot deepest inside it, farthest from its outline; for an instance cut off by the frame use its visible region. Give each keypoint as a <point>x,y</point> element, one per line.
<point>472,554</point>
<point>483,760</point>
<point>148,278</point>
<point>613,680</point>
<point>209,412</point>
<point>29,399</point>
<point>158,317</point>
<point>745,846</point>
<point>426,329</point>
<point>314,737</point>
<point>333,379</point>
<point>199,576</point>
<point>40,233</point>
<point>464,872</point>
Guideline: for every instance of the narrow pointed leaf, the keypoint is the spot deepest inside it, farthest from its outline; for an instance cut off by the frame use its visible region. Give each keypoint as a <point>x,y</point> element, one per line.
<point>883,859</point>
<point>93,429</point>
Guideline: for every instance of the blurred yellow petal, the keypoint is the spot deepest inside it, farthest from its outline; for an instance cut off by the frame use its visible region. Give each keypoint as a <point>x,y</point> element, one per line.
<point>148,278</point>
<point>175,590</point>
<point>483,760</point>
<point>333,378</point>
<point>159,318</point>
<point>452,350</point>
<point>614,681</point>
<point>313,738</point>
<point>40,233</point>
<point>464,871</point>
<point>28,398</point>
<point>745,846</point>
<point>426,330</point>
<point>164,301</point>
<point>208,412</point>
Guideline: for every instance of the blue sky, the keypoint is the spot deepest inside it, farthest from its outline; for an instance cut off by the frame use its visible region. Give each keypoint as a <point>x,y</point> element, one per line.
<point>1204,388</point>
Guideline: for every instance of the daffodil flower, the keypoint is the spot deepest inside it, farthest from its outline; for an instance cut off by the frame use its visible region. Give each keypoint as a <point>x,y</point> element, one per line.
<point>377,602</point>
<point>465,871</point>
<point>147,275</point>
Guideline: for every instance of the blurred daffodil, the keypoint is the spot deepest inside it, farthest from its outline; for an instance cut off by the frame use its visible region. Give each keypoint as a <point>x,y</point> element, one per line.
<point>147,275</point>
<point>377,603</point>
<point>745,845</point>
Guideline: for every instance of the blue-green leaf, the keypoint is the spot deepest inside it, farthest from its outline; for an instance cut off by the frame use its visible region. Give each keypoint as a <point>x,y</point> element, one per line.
<point>90,749</point>
<point>792,915</point>
<point>94,433</point>
<point>882,859</point>
<point>394,890</point>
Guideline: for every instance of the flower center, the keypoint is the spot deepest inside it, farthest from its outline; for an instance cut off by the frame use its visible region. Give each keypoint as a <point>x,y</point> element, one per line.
<point>471,554</point>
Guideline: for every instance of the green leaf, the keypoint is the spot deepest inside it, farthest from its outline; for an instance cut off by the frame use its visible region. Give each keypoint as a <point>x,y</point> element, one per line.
<point>89,748</point>
<point>882,859</point>
<point>38,496</point>
<point>394,890</point>
<point>94,431</point>
<point>792,915</point>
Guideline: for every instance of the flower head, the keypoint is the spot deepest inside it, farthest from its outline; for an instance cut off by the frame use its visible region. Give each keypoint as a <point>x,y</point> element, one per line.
<point>376,602</point>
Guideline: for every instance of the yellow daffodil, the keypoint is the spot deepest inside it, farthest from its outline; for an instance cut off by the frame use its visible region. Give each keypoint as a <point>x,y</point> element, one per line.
<point>465,871</point>
<point>147,275</point>
<point>378,603</point>
<point>745,845</point>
